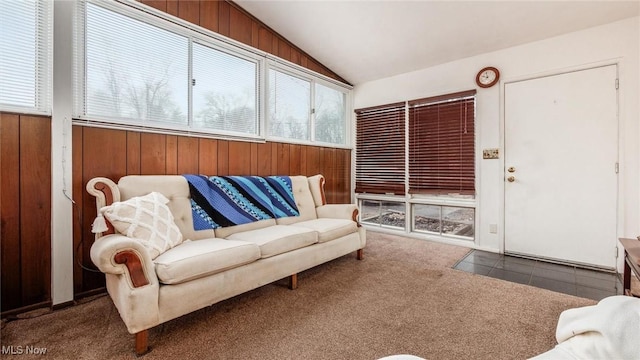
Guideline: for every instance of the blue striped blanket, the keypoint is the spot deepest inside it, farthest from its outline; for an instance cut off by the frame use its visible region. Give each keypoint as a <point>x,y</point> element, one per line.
<point>220,201</point>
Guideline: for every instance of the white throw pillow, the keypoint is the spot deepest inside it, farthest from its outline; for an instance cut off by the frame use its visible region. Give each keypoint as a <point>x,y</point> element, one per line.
<point>146,219</point>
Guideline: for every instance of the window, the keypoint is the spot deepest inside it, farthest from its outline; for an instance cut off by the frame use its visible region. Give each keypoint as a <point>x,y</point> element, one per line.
<point>380,149</point>
<point>435,138</point>
<point>444,220</point>
<point>441,144</point>
<point>140,68</point>
<point>301,108</point>
<point>134,71</point>
<point>330,124</point>
<point>383,213</point>
<point>289,106</point>
<point>225,91</point>
<point>25,51</point>
<point>441,154</point>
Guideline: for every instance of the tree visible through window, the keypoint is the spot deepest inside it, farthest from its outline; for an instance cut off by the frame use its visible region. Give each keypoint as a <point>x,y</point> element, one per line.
<point>289,106</point>
<point>140,69</point>
<point>134,70</point>
<point>330,115</point>
<point>225,91</point>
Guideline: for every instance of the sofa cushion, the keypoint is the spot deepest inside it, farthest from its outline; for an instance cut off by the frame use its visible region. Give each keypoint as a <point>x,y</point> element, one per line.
<point>278,239</point>
<point>146,219</point>
<point>198,258</point>
<point>330,229</point>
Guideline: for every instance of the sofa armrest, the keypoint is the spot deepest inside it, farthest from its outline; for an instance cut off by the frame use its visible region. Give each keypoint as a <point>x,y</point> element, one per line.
<point>106,193</point>
<point>131,279</point>
<point>119,255</point>
<point>338,211</point>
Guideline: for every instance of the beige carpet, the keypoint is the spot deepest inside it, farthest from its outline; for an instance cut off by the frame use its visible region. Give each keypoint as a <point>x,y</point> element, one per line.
<point>402,298</point>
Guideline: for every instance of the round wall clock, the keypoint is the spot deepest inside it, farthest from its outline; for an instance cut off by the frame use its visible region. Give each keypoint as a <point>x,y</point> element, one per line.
<point>487,77</point>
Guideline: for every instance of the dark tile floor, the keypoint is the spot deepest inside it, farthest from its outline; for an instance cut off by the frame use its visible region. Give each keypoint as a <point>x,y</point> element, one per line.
<point>571,280</point>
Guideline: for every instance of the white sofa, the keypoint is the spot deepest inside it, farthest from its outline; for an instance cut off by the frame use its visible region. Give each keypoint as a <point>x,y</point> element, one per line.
<point>608,330</point>
<point>212,265</point>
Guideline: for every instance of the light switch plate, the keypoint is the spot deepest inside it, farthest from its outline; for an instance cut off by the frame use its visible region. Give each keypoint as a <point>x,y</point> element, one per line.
<point>490,154</point>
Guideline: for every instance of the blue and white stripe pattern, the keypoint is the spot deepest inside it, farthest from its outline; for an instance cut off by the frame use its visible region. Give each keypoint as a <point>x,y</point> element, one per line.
<point>220,201</point>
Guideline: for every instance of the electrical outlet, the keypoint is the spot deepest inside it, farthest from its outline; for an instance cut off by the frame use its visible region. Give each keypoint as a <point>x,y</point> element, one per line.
<point>493,228</point>
<point>490,154</point>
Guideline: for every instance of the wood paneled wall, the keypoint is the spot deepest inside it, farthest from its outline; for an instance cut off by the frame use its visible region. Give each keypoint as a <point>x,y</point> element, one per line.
<point>25,210</point>
<point>115,153</point>
<point>25,165</point>
<point>229,19</point>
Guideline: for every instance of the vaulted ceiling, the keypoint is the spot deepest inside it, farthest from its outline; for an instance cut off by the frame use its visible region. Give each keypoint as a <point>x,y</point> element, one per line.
<point>366,40</point>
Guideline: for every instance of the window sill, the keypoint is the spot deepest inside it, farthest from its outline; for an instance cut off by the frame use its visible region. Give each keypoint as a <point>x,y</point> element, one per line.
<point>443,200</point>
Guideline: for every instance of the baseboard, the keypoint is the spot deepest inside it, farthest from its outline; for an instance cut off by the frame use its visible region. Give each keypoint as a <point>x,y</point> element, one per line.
<point>62,305</point>
<point>48,304</point>
<point>24,309</point>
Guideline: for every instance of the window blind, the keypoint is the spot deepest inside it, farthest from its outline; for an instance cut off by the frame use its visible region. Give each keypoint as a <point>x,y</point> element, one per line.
<point>25,51</point>
<point>289,106</point>
<point>225,91</point>
<point>442,144</point>
<point>329,113</point>
<point>135,71</point>
<point>380,149</point>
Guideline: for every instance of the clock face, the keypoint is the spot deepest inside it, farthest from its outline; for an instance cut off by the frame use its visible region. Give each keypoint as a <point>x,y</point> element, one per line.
<point>487,77</point>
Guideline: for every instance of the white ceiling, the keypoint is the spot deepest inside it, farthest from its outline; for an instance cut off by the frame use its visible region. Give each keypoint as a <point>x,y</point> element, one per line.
<point>367,40</point>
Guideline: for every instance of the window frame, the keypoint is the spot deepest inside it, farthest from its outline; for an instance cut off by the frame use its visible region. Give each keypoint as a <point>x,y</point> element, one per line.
<point>287,69</point>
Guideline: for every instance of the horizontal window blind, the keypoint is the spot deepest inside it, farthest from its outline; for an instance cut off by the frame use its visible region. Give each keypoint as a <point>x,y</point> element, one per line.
<point>330,121</point>
<point>139,68</point>
<point>25,51</point>
<point>225,91</point>
<point>289,106</point>
<point>380,149</point>
<point>134,70</point>
<point>442,144</point>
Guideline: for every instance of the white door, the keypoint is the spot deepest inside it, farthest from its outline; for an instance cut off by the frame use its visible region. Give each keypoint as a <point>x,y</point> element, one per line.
<point>561,152</point>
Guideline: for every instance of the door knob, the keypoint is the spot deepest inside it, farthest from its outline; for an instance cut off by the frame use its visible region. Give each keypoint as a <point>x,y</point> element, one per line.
<point>511,179</point>
<point>511,169</point>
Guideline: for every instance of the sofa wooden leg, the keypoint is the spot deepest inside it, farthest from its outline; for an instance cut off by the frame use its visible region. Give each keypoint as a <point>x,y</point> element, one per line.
<point>293,282</point>
<point>360,254</point>
<point>142,342</point>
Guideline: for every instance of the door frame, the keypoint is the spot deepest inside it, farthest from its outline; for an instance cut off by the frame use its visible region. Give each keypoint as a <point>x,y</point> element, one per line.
<point>554,72</point>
